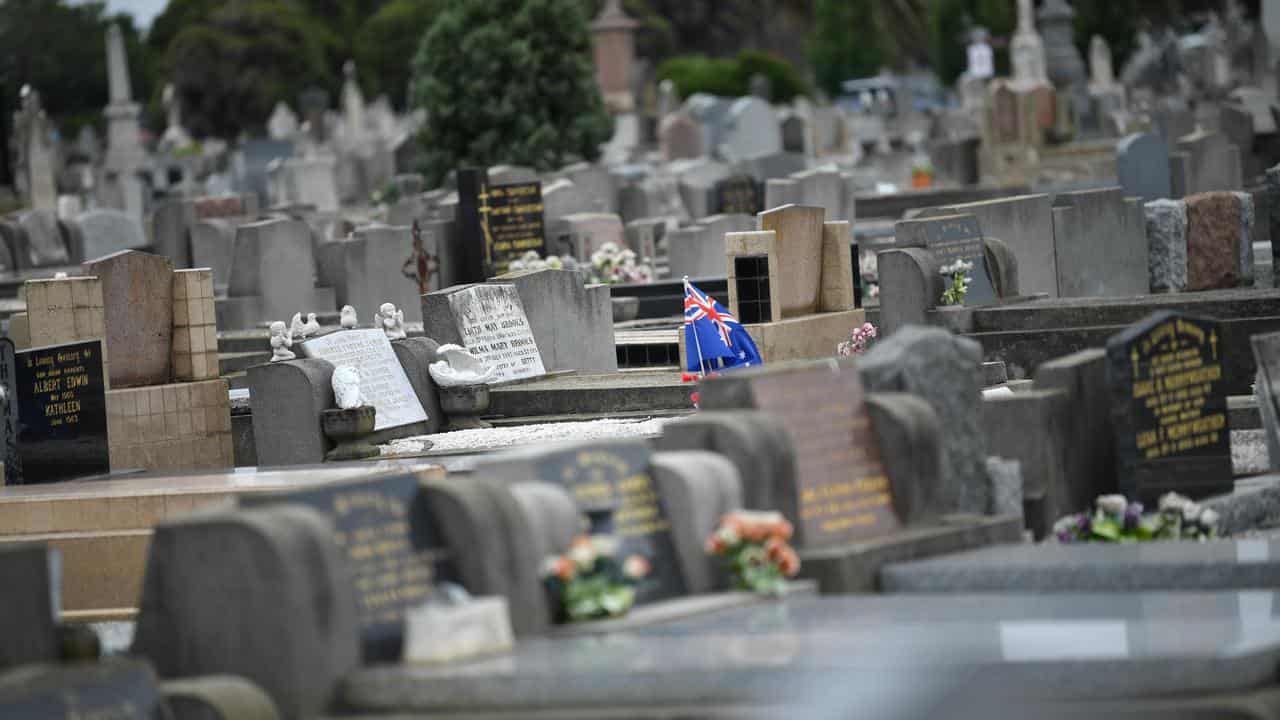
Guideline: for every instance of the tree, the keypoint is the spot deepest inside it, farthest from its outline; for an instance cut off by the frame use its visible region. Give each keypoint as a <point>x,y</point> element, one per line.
<point>845,43</point>
<point>231,68</point>
<point>731,77</point>
<point>949,24</point>
<point>1115,20</point>
<point>508,81</point>
<point>60,50</point>
<point>385,45</point>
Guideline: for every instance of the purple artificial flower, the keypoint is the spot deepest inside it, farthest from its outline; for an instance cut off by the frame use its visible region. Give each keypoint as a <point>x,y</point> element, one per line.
<point>1132,515</point>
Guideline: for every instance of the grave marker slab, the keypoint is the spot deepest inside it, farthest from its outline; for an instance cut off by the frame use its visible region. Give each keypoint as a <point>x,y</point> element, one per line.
<point>113,689</point>
<point>498,223</point>
<point>608,476</point>
<point>1142,164</point>
<point>137,294</point>
<point>62,412</point>
<point>738,194</point>
<point>952,238</point>
<point>1213,241</point>
<point>1169,407</point>
<point>842,493</point>
<point>380,527</point>
<point>9,407</point>
<point>382,379</point>
<point>105,231</point>
<point>491,323</point>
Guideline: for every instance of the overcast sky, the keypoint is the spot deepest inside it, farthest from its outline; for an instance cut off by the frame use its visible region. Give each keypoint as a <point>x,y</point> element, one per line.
<point>143,11</point>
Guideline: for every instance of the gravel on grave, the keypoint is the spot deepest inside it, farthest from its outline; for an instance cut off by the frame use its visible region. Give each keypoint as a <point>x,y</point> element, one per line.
<point>505,437</point>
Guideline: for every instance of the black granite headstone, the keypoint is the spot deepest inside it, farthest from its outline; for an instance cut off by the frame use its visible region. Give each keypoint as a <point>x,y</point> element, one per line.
<point>1169,407</point>
<point>62,412</point>
<point>497,223</point>
<point>738,194</point>
<point>958,237</point>
<point>615,477</point>
<point>9,412</point>
<point>381,527</point>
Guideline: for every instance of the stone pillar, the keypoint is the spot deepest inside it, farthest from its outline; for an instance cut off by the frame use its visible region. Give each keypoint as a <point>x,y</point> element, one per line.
<point>125,155</point>
<point>613,41</point>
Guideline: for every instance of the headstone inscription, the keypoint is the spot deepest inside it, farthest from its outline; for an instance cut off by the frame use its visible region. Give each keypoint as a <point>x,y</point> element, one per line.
<point>62,413</point>
<point>114,689</point>
<point>738,195</point>
<point>842,492</point>
<point>954,238</point>
<point>1169,407</point>
<point>498,223</point>
<point>612,485</point>
<point>9,408</point>
<point>493,326</point>
<point>382,378</point>
<point>380,526</point>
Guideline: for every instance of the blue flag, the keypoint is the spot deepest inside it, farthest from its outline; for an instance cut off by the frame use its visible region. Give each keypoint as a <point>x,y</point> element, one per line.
<point>713,338</point>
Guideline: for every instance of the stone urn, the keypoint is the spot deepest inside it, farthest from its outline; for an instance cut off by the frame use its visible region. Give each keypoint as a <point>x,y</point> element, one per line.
<point>463,405</point>
<point>625,309</point>
<point>349,430</point>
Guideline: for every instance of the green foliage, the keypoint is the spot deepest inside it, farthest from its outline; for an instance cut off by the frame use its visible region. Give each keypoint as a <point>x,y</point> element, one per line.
<point>1115,20</point>
<point>385,44</point>
<point>60,50</point>
<point>508,81</point>
<point>949,24</point>
<point>731,77</point>
<point>846,42</point>
<point>230,68</point>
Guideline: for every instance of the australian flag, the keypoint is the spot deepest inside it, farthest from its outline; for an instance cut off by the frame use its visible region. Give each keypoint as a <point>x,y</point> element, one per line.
<point>714,339</point>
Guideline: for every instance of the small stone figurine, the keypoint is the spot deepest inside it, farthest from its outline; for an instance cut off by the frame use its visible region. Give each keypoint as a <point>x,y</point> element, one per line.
<point>302,330</point>
<point>346,387</point>
<point>281,341</point>
<point>391,321</point>
<point>348,318</point>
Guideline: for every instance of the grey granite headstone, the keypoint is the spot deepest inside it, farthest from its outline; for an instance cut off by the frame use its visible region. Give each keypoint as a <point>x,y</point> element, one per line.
<point>946,371</point>
<point>1266,351</point>
<point>952,238</point>
<point>1142,163</point>
<point>1089,469</point>
<point>416,355</point>
<point>287,398</point>
<point>30,597</point>
<point>263,593</point>
<point>47,245</point>
<point>105,231</point>
<point>212,242</point>
<point>373,271</point>
<point>910,287</point>
<point>1246,238</point>
<point>1167,239</point>
<point>489,320</point>
<point>572,324</point>
<point>1213,162</point>
<point>1025,224</point>
<point>755,442</point>
<point>697,488</point>
<point>1101,246</point>
<point>274,260</point>
<point>1031,428</point>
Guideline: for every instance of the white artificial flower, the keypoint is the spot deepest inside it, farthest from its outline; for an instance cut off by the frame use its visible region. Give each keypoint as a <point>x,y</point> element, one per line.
<point>604,545</point>
<point>1112,504</point>
<point>583,555</point>
<point>1190,512</point>
<point>728,536</point>
<point>1209,519</point>
<point>1173,501</point>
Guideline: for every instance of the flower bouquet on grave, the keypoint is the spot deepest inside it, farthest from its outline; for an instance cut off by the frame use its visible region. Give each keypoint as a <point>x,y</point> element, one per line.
<point>588,582</point>
<point>531,260</point>
<point>612,264</point>
<point>1116,520</point>
<point>958,274</point>
<point>755,549</point>
<point>858,342</point>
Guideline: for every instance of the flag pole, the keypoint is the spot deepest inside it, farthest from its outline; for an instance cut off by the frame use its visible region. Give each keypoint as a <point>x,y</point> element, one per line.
<point>698,343</point>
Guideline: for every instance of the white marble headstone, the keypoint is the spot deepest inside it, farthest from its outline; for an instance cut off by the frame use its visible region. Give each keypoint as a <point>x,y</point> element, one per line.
<point>493,326</point>
<point>382,379</point>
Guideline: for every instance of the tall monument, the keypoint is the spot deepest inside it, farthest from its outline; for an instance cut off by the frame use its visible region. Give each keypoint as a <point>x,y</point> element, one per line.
<point>35,153</point>
<point>614,46</point>
<point>121,187</point>
<point>1027,50</point>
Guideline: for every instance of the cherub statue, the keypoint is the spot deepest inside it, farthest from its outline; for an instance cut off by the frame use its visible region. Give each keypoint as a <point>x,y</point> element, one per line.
<point>281,341</point>
<point>391,321</point>
<point>346,387</point>
<point>302,330</point>
<point>348,319</point>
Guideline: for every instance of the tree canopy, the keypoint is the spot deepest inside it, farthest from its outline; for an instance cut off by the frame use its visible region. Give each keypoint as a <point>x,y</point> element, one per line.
<point>508,81</point>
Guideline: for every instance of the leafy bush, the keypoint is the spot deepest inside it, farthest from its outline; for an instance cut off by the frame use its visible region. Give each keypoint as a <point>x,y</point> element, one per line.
<point>731,77</point>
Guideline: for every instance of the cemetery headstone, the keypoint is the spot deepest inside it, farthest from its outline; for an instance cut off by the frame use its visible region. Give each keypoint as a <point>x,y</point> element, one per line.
<point>30,597</point>
<point>106,231</point>
<point>953,238</point>
<point>137,294</point>
<point>1167,237</point>
<point>380,526</point>
<point>490,322</point>
<point>1266,351</point>
<point>1169,407</point>
<point>680,137</point>
<point>46,243</point>
<point>1142,163</point>
<point>842,492</point>
<point>113,689</point>
<point>738,195</point>
<point>1213,241</point>
<point>497,223</point>
<point>382,379</point>
<point>612,485</point>
<point>62,412</point>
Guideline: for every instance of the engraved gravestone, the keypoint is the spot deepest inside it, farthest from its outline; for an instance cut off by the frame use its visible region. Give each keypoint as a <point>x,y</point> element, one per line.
<point>1169,407</point>
<point>493,326</point>
<point>841,492</point>
<point>382,378</point>
<point>738,195</point>
<point>380,526</point>
<point>497,223</point>
<point>111,689</point>
<point>62,412</point>
<point>9,412</point>
<point>611,484</point>
<point>952,238</point>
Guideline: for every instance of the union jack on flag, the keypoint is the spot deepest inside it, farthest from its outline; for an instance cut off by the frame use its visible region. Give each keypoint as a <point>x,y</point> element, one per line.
<point>714,339</point>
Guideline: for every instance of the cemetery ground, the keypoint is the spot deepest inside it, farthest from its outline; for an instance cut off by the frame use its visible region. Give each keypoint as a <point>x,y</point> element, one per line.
<point>770,408</point>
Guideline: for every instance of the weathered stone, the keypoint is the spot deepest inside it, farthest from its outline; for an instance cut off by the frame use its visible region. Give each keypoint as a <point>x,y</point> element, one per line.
<point>264,594</point>
<point>105,231</point>
<point>580,339</point>
<point>1031,428</point>
<point>117,688</point>
<point>1100,245</point>
<point>755,442</point>
<point>274,260</point>
<point>910,286</point>
<point>1167,240</point>
<point>697,488</point>
<point>946,371</point>
<point>416,355</point>
<point>287,399</point>
<point>1006,486</point>
<point>1142,163</point>
<point>137,300</point>
<point>1090,466</point>
<point>910,442</point>
<point>218,697</point>
<point>30,596</point>
<point>1213,241</point>
<point>1246,237</point>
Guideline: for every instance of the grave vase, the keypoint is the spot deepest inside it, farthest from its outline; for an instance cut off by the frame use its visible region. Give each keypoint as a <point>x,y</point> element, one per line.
<point>350,430</point>
<point>463,405</point>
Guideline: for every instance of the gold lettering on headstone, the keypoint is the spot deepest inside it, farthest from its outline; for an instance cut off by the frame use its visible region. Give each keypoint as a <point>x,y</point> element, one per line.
<point>389,574</point>
<point>1174,377</point>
